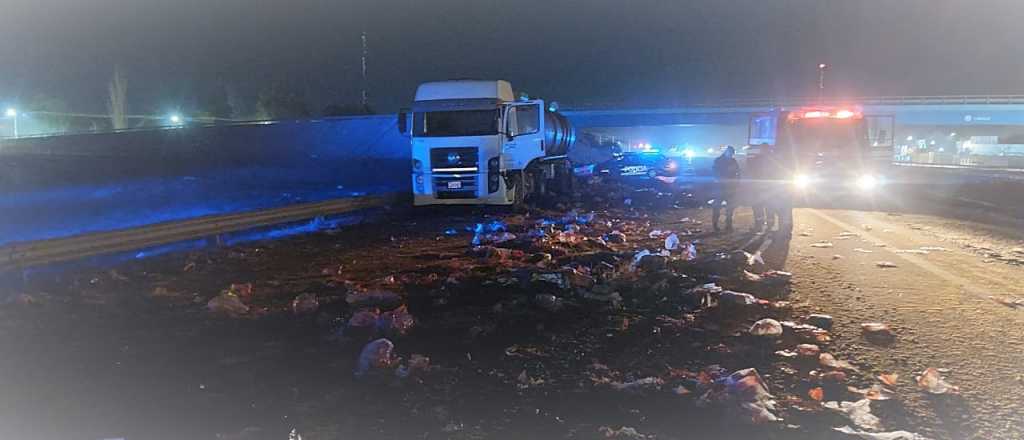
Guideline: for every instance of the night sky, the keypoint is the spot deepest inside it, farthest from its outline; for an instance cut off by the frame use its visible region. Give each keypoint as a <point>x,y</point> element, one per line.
<point>597,52</point>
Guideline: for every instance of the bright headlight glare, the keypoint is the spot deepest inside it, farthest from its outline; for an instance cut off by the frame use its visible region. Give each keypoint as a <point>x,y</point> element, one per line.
<point>801,180</point>
<point>867,182</point>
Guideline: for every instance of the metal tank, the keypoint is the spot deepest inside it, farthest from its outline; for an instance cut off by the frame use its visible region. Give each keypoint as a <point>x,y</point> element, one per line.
<point>559,134</point>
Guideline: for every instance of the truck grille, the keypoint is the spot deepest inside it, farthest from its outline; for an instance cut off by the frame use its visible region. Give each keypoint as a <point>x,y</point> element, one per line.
<point>454,160</point>
<point>466,187</point>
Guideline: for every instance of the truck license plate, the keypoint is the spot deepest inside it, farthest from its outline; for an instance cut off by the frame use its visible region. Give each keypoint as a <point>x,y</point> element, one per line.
<point>455,185</point>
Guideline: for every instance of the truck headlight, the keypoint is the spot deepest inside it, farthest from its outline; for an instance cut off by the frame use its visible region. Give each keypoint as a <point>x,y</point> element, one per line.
<point>867,182</point>
<point>801,181</point>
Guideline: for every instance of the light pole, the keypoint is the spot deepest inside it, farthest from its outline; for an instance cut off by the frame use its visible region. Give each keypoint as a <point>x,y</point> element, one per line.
<point>13,114</point>
<point>821,80</point>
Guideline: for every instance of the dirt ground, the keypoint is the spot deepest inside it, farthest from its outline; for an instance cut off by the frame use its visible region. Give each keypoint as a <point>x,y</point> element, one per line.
<point>132,351</point>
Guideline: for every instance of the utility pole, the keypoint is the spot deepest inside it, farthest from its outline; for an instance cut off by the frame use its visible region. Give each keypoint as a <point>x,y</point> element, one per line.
<point>365,100</point>
<point>821,80</point>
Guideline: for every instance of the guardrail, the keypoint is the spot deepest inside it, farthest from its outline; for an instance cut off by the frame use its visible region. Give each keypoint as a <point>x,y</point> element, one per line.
<point>22,255</point>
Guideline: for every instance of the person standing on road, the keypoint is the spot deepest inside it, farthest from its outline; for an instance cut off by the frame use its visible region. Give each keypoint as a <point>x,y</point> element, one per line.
<point>779,197</point>
<point>727,173</point>
<point>754,189</point>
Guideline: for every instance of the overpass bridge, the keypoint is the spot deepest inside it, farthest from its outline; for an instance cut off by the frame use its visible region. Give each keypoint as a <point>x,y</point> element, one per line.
<point>911,110</point>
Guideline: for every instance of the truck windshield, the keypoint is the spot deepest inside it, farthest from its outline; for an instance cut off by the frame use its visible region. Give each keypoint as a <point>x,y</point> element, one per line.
<point>456,123</point>
<point>824,137</point>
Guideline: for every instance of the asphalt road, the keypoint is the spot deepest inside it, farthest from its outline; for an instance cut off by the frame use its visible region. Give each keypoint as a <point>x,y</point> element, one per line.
<point>941,299</point>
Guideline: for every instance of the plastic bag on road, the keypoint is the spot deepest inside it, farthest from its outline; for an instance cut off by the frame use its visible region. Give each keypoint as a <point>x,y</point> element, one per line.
<point>748,394</point>
<point>933,382</point>
<point>858,412</point>
<point>894,435</point>
<point>737,299</point>
<point>625,432</point>
<point>672,242</point>
<point>877,331</point>
<point>767,328</point>
<point>827,360</point>
<point>376,356</point>
<point>227,304</point>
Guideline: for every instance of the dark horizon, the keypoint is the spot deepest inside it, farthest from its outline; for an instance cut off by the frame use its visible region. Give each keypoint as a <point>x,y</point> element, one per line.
<point>176,54</point>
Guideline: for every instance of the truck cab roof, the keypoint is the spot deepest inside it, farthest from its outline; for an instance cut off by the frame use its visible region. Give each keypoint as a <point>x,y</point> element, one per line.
<point>498,90</point>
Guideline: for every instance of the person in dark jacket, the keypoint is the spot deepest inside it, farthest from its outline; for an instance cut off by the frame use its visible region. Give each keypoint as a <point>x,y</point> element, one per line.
<point>727,174</point>
<point>754,189</point>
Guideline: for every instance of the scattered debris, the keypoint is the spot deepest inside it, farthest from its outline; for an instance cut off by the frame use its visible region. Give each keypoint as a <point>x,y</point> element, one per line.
<point>730,298</point>
<point>889,379</point>
<point>858,412</point>
<point>745,392</point>
<point>417,366</point>
<point>816,393</point>
<point>1012,303</point>
<point>875,392</point>
<point>911,251</point>
<point>548,302</point>
<point>672,242</point>
<point>767,328</point>
<point>863,251</point>
<point>615,237</point>
<point>227,304</point>
<point>932,248</point>
<point>305,303</point>
<point>933,382</point>
<point>624,432</point>
<point>886,264</point>
<point>376,356</point>
<point>808,350</point>
<point>877,331</point>
<point>820,320</point>
<point>822,244</point>
<point>894,435</point>
<point>640,385</point>
<point>827,360</point>
<point>396,322</point>
<point>374,299</point>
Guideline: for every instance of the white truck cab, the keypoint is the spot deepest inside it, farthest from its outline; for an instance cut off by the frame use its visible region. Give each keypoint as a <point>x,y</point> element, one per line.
<point>471,142</point>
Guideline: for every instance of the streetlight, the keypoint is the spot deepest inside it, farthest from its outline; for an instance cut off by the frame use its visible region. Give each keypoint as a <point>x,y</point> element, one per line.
<point>175,119</point>
<point>13,114</point>
<point>821,80</point>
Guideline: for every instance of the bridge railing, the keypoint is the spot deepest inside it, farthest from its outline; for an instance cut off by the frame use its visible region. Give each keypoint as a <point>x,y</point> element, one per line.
<point>808,101</point>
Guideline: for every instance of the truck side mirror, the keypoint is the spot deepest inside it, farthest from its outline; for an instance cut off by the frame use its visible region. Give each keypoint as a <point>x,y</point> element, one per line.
<point>403,121</point>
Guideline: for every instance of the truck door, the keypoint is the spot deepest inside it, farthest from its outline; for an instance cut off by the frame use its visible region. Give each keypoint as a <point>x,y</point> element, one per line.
<point>762,130</point>
<point>881,138</point>
<point>524,127</point>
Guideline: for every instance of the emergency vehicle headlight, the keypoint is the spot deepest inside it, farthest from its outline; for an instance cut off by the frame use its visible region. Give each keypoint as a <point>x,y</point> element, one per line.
<point>867,182</point>
<point>801,181</point>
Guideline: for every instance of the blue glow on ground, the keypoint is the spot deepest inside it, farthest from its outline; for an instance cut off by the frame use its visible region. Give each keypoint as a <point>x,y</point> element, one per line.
<point>60,212</point>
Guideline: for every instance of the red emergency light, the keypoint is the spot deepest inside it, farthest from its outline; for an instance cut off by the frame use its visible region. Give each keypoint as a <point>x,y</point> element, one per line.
<point>842,113</point>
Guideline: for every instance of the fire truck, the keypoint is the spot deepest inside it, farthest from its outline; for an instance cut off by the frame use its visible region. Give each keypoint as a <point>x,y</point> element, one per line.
<point>822,150</point>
